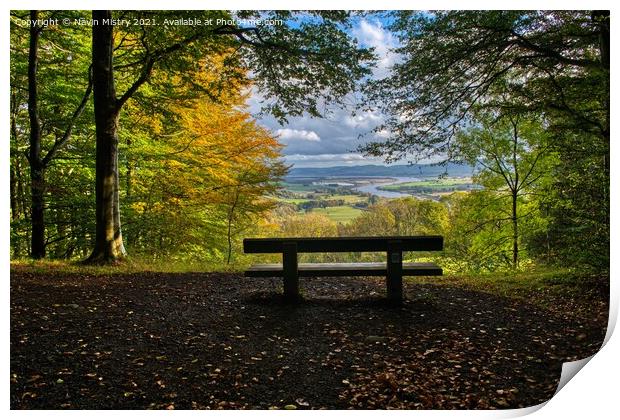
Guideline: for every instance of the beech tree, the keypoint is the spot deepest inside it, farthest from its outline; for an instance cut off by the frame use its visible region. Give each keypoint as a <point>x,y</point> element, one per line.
<point>555,64</point>
<point>295,64</point>
<point>510,153</point>
<point>52,115</point>
<point>206,184</point>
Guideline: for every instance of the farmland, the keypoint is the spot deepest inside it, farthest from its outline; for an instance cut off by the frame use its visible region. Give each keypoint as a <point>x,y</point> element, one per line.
<point>431,186</point>
<point>344,198</point>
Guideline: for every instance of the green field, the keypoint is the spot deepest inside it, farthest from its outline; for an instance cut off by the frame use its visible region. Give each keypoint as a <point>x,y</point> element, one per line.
<point>348,198</point>
<point>302,196</point>
<point>438,185</point>
<point>296,187</point>
<point>307,194</point>
<point>340,214</point>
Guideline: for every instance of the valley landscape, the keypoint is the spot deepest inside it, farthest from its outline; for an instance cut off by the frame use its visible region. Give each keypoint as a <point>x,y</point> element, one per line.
<point>344,192</point>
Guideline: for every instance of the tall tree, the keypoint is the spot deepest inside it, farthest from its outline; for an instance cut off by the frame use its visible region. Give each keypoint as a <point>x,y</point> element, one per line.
<point>37,247</point>
<point>204,185</point>
<point>108,238</point>
<point>141,56</point>
<point>554,63</point>
<point>510,153</point>
<point>61,130</point>
<point>295,64</point>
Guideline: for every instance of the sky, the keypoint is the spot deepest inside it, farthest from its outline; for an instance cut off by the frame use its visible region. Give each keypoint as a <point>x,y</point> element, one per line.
<point>333,140</point>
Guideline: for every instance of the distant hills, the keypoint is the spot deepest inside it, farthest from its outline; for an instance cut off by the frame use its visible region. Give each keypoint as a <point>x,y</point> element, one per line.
<point>452,169</point>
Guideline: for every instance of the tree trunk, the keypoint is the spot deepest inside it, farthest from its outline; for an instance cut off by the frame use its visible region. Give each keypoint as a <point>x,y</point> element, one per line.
<point>515,232</point>
<point>22,204</point>
<point>14,173</point>
<point>129,173</point>
<point>37,171</point>
<point>602,18</point>
<point>231,215</point>
<point>108,238</point>
<point>117,205</point>
<point>13,193</point>
<point>514,190</point>
<point>15,244</point>
<point>37,189</point>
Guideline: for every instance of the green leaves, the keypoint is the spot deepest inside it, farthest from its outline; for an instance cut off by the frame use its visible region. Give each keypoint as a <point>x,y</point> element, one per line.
<point>300,63</point>
<point>305,63</point>
<point>453,60</point>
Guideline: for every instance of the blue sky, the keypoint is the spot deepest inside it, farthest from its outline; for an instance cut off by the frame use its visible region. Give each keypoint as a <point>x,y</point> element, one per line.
<point>333,140</point>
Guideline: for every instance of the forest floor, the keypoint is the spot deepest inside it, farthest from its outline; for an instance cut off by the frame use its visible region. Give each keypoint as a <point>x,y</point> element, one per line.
<point>214,340</point>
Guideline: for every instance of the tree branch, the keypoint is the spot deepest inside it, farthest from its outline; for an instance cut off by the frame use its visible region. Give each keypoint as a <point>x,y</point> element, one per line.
<point>59,143</point>
<point>547,52</point>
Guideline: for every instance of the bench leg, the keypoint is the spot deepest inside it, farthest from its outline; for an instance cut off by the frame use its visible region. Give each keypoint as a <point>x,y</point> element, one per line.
<point>290,273</point>
<point>395,272</point>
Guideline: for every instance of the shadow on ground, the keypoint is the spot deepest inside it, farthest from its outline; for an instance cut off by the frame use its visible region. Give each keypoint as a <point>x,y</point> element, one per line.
<point>214,340</point>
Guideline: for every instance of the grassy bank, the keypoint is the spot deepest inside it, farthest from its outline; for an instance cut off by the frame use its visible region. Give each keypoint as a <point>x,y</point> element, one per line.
<point>535,284</point>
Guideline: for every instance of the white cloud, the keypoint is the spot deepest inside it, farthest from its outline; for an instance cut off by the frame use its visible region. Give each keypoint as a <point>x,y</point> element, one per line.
<point>365,121</point>
<point>384,134</point>
<point>373,34</point>
<point>331,159</point>
<point>292,134</point>
<point>336,138</point>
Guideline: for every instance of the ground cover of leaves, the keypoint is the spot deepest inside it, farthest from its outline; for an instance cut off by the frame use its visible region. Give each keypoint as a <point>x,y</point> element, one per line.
<point>214,340</point>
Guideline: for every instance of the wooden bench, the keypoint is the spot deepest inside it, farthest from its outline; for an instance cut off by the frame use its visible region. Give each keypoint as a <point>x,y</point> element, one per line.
<point>393,269</point>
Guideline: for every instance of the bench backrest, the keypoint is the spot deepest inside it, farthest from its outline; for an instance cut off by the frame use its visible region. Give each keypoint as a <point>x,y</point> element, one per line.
<point>350,244</point>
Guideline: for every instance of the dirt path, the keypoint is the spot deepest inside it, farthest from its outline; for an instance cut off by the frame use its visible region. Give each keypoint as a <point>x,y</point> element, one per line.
<point>221,341</point>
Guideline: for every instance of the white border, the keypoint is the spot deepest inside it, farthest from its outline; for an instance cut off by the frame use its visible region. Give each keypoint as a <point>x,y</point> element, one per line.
<point>592,394</point>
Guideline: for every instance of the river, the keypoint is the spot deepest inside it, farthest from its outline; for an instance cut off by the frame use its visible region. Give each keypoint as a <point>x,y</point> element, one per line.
<point>373,187</point>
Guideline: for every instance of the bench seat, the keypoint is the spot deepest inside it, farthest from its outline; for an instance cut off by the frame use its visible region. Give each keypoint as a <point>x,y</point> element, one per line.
<point>392,247</point>
<point>345,269</point>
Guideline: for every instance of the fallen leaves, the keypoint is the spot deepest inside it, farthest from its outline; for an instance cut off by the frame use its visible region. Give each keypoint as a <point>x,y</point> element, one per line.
<point>168,341</point>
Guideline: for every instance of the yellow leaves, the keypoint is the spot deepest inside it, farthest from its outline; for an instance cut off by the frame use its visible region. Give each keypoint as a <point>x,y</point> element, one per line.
<point>201,169</point>
<point>139,206</point>
<point>310,225</point>
<point>173,164</point>
<point>214,67</point>
<point>149,122</point>
<point>218,157</point>
<point>226,143</point>
<point>157,207</point>
<point>219,75</point>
